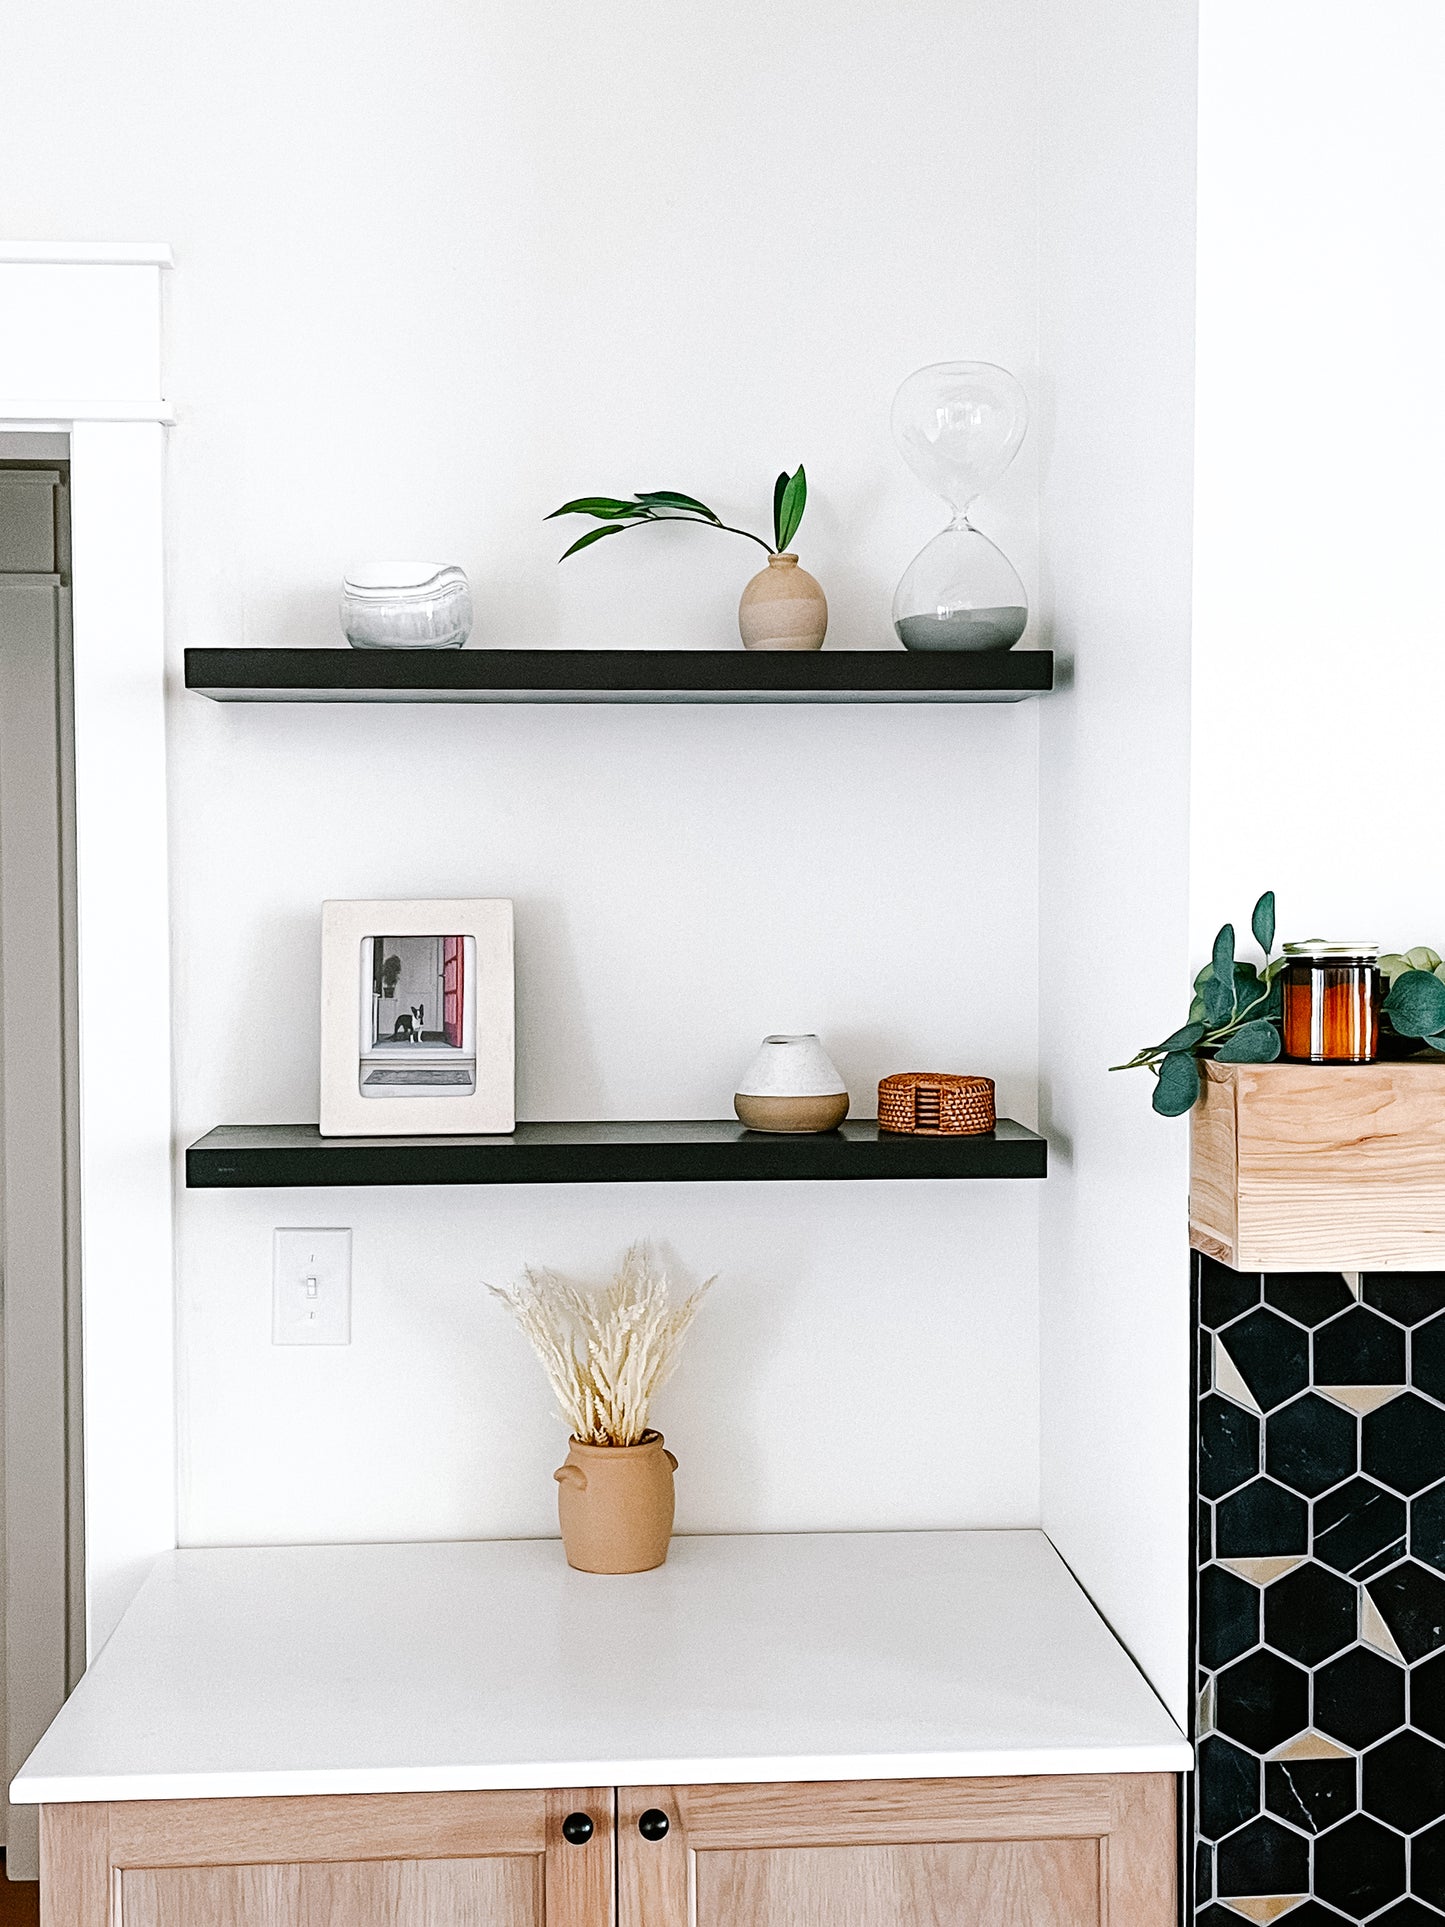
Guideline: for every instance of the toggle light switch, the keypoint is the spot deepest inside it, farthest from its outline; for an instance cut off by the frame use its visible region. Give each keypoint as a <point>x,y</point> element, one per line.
<point>311,1288</point>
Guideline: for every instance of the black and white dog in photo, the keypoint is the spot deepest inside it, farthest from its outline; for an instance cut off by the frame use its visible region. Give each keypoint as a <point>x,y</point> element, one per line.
<point>408,1028</point>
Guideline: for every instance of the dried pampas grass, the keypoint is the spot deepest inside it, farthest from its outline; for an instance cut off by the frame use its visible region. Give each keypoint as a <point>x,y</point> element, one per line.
<point>605,1352</point>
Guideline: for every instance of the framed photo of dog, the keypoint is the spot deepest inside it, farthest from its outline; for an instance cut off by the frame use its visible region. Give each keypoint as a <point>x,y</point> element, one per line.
<point>417,1018</point>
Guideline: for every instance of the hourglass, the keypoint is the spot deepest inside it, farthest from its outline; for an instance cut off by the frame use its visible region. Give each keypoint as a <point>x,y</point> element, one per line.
<point>959,424</point>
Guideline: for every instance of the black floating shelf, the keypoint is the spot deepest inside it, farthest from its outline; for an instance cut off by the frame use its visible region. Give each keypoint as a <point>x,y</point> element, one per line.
<point>253,1156</point>
<point>617,675</point>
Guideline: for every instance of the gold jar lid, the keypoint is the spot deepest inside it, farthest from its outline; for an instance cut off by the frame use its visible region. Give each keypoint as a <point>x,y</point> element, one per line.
<point>1319,947</point>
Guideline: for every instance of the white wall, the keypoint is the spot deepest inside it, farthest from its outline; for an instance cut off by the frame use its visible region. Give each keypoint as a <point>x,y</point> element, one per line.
<point>438,269</point>
<point>1117,193</point>
<point>1321,492</point>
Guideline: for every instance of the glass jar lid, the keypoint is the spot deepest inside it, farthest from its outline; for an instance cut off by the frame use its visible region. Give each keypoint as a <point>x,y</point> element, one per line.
<point>1320,947</point>
<point>403,580</point>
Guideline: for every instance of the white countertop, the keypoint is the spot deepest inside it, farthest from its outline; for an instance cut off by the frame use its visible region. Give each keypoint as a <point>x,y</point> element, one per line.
<point>418,1668</point>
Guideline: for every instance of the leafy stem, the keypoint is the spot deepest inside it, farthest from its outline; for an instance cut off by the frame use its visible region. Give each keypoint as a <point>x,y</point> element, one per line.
<point>1237,1013</point>
<point>615,515</point>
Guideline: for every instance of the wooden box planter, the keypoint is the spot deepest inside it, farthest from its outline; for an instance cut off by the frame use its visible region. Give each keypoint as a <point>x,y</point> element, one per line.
<point>1320,1167</point>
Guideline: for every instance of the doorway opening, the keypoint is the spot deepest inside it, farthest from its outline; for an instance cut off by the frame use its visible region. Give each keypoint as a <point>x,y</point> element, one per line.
<point>41,1601</point>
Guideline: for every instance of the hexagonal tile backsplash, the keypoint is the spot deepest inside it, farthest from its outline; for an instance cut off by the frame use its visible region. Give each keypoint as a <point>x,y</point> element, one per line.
<point>1320,1609</point>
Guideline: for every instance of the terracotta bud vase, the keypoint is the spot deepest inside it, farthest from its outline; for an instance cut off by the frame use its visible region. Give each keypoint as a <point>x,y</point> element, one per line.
<point>783,608</point>
<point>615,1504</point>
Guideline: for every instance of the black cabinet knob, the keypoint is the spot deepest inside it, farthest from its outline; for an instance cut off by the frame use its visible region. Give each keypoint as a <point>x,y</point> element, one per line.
<point>577,1828</point>
<point>653,1824</point>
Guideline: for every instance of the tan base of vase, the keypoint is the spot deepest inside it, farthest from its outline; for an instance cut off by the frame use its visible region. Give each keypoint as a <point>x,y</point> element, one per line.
<point>792,1114</point>
<point>783,608</point>
<point>615,1505</point>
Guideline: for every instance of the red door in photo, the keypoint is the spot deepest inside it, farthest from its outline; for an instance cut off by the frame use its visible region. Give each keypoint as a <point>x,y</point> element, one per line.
<point>453,988</point>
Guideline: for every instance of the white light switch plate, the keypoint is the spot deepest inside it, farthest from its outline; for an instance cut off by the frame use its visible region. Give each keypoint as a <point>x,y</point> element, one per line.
<point>311,1288</point>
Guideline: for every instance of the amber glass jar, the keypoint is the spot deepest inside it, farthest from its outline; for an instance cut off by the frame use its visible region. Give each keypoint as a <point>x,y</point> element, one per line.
<point>1331,1002</point>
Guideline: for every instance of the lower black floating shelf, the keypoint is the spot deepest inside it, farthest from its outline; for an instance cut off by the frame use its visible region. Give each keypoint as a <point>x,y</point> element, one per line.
<point>618,675</point>
<point>257,1156</point>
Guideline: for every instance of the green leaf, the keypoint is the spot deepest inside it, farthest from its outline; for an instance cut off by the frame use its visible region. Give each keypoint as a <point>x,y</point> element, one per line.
<point>778,487</point>
<point>596,535</point>
<point>1196,1012</point>
<point>1262,922</point>
<point>1393,965</point>
<point>607,505</point>
<point>1436,1043</point>
<point>790,508</point>
<point>1178,1084</point>
<point>669,498</point>
<point>1422,957</point>
<point>1416,1004</point>
<point>1256,995</point>
<point>1219,990</point>
<point>1254,1043</point>
<point>1184,1039</point>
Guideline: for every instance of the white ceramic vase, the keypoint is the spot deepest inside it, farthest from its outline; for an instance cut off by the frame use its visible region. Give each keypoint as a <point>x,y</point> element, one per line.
<point>792,1085</point>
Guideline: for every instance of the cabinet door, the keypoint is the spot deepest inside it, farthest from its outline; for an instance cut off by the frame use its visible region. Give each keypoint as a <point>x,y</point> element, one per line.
<point>373,1860</point>
<point>503,1891</point>
<point>1065,1851</point>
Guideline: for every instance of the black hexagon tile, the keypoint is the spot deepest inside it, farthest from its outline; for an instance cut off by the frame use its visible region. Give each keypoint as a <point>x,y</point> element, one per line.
<point>1228,1787</point>
<point>1427,1866</point>
<point>1262,1859</point>
<point>1359,1867</point>
<point>1408,1913</point>
<point>1228,1446</point>
<point>1310,1614</point>
<point>1309,1297</point>
<point>1360,1348</point>
<point>1359,1698</point>
<point>1320,1604</point>
<point>1427,1358</point>
<point>1270,1355</point>
<point>1403,1444</point>
<point>1427,1699</point>
<point>1310,1445</point>
<point>1427,1527</point>
<point>1409,1297</point>
<point>1411,1601</point>
<point>1402,1782</point>
<point>1356,1525</point>
<point>1224,1294</point>
<point>1261,1520</point>
<point>1261,1701</point>
<point>1228,1616</point>
<point>1311,1794</point>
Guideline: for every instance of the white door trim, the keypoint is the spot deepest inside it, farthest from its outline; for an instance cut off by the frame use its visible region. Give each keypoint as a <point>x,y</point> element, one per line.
<point>86,321</point>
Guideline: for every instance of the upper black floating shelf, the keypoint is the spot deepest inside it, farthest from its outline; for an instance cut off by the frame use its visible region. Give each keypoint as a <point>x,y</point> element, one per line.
<point>617,675</point>
<point>253,1156</point>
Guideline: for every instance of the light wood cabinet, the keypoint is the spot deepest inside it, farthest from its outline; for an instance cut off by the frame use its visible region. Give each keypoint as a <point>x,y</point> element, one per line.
<point>1067,1851</point>
<point>362,1860</point>
<point>1064,1851</point>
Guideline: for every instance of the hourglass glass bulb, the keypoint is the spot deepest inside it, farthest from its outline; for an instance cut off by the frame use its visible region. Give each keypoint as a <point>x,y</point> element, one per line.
<point>958,425</point>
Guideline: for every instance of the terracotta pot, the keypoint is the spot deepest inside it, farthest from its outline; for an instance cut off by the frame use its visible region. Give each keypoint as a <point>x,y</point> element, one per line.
<point>615,1505</point>
<point>783,608</point>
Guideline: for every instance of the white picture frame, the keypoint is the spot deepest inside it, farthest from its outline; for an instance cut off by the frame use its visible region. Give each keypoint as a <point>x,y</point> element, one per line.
<point>418,1033</point>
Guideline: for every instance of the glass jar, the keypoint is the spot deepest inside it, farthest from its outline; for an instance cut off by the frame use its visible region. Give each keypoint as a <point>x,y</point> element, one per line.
<point>406,605</point>
<point>1331,994</point>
